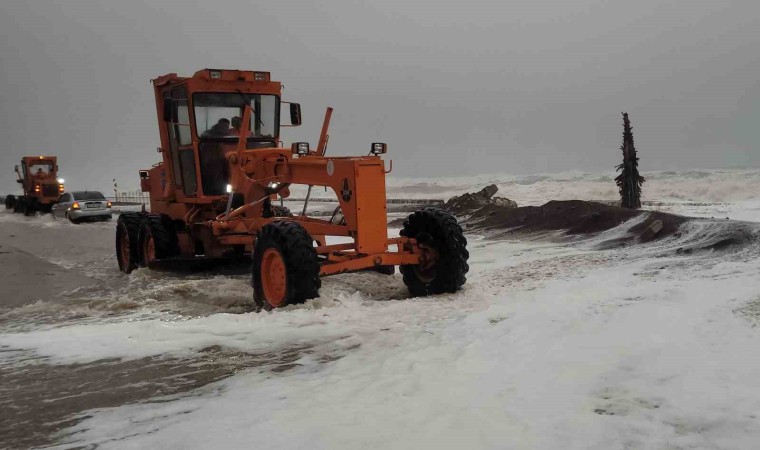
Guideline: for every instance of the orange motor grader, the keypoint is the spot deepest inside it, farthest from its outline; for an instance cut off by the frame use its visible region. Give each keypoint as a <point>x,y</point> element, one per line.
<point>214,196</point>
<point>37,176</point>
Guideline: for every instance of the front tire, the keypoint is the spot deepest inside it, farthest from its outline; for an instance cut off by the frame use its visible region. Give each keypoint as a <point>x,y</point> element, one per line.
<point>127,231</point>
<point>444,250</point>
<point>10,201</point>
<point>285,267</point>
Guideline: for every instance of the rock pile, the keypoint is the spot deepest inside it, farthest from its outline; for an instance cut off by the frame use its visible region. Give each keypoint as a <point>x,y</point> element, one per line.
<point>469,202</point>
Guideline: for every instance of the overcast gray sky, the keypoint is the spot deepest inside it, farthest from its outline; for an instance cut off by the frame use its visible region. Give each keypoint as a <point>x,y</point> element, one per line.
<point>460,87</point>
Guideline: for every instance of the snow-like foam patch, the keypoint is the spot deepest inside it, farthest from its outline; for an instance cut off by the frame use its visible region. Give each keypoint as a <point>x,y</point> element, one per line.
<point>601,355</point>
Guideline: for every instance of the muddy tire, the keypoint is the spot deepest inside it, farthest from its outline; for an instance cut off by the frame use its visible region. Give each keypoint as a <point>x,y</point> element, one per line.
<point>157,240</point>
<point>445,248</point>
<point>25,207</point>
<point>285,268</point>
<point>31,206</point>
<point>127,233</point>
<point>17,204</point>
<point>10,201</point>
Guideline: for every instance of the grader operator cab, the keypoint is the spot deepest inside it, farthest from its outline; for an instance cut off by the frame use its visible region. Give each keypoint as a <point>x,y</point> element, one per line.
<point>213,197</point>
<point>38,178</point>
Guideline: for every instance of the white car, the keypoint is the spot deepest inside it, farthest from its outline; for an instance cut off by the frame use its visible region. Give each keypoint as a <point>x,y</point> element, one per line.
<point>82,205</point>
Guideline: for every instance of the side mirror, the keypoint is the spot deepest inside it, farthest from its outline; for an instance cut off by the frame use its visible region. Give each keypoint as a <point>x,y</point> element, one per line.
<point>19,181</point>
<point>16,168</point>
<point>144,181</point>
<point>168,104</point>
<point>295,114</point>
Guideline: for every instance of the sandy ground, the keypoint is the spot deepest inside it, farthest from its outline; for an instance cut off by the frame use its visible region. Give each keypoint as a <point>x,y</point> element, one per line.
<point>56,273</point>
<point>29,276</point>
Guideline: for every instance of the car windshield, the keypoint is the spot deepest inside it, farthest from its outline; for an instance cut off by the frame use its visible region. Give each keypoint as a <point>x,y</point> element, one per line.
<point>88,195</point>
<point>218,115</point>
<point>42,167</point>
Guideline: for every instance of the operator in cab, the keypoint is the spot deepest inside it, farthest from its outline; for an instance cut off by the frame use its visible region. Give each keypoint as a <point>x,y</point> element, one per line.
<point>237,122</point>
<point>219,129</point>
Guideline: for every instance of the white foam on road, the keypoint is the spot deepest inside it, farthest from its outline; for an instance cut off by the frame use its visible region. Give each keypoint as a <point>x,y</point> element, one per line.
<point>547,347</point>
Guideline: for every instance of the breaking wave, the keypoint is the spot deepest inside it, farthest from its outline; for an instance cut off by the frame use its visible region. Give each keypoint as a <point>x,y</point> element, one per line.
<point>661,186</point>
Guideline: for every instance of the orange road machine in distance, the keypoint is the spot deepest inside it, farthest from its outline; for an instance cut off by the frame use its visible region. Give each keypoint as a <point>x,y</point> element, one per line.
<point>38,176</point>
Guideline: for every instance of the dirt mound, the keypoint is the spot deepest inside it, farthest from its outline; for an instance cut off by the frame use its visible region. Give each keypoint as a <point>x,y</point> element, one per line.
<point>574,217</point>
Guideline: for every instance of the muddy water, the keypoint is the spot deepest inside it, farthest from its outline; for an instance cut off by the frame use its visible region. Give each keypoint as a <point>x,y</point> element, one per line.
<point>38,399</point>
<point>58,274</point>
<point>55,274</point>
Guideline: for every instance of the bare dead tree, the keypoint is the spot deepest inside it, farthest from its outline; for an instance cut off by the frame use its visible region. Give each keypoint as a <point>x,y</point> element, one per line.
<point>629,181</point>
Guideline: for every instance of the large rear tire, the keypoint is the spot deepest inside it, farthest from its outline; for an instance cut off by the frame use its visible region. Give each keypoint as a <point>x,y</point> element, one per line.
<point>444,253</point>
<point>31,206</point>
<point>285,267</point>
<point>10,201</point>
<point>157,240</point>
<point>127,232</point>
<point>25,207</point>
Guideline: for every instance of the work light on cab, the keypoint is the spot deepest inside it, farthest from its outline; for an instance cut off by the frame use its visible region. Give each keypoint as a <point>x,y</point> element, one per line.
<point>378,148</point>
<point>300,148</point>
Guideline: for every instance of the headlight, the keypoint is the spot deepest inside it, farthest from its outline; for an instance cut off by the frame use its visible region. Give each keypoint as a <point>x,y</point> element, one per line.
<point>378,148</point>
<point>300,148</point>
<point>229,188</point>
<point>61,180</point>
<point>109,204</point>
